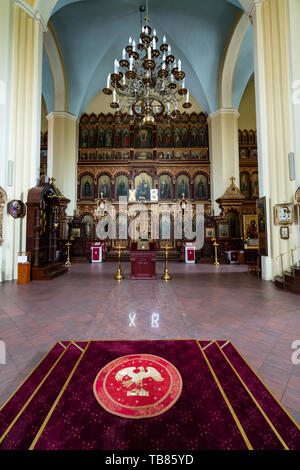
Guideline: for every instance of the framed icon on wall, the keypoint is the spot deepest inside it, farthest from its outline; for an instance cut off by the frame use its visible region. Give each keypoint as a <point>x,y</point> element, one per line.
<point>16,209</point>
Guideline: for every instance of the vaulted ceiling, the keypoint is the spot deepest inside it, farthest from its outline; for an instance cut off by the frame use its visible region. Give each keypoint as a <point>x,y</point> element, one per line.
<point>92,33</point>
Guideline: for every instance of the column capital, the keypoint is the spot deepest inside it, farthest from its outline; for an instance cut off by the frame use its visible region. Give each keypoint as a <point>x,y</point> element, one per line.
<point>61,114</point>
<point>222,112</point>
<point>32,13</point>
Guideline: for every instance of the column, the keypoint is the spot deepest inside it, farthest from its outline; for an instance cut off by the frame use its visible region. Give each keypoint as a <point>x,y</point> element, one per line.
<point>273,107</point>
<point>21,72</point>
<point>224,152</point>
<point>294,41</point>
<point>62,154</point>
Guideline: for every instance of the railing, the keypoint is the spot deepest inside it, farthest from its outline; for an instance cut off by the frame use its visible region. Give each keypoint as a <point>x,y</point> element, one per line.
<point>292,261</point>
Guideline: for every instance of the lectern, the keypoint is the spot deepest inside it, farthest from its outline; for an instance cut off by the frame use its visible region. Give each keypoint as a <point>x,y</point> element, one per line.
<point>143,260</point>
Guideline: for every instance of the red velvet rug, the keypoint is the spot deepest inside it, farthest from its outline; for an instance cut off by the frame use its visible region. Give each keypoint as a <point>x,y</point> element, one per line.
<point>188,395</point>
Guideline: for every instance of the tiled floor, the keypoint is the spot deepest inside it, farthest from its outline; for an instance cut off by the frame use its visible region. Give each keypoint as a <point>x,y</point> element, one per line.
<point>201,301</point>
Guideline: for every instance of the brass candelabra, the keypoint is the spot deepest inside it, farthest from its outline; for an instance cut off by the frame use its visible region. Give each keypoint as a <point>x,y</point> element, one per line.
<point>166,275</point>
<point>68,262</point>
<point>119,276</point>
<point>215,244</point>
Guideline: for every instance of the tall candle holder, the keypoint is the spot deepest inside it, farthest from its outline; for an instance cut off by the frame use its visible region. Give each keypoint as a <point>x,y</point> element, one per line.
<point>68,262</point>
<point>166,276</point>
<point>119,276</point>
<point>215,244</point>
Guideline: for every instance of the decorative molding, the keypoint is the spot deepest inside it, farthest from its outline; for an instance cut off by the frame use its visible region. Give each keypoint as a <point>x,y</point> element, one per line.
<point>61,114</point>
<point>223,111</point>
<point>252,7</point>
<point>32,13</point>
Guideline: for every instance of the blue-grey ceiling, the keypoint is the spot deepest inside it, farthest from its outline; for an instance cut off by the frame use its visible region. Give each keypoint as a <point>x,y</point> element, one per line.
<point>91,33</point>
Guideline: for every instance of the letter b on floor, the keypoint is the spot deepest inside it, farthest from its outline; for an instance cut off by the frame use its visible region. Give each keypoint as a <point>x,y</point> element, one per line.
<point>2,353</point>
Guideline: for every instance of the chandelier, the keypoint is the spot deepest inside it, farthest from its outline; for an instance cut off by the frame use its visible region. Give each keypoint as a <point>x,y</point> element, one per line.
<point>147,82</point>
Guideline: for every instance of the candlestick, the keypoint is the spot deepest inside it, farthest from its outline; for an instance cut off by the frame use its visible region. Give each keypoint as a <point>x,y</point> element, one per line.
<point>166,276</point>
<point>68,262</point>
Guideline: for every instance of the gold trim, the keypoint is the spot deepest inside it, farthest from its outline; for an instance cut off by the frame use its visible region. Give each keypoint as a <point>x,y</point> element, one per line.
<point>255,401</point>
<point>30,374</point>
<point>31,397</point>
<point>207,346</point>
<point>240,427</point>
<point>59,342</point>
<point>39,433</point>
<point>271,393</point>
<point>76,345</point>
<point>223,345</point>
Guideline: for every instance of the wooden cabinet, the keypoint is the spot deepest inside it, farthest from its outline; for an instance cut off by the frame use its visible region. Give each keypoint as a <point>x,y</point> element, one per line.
<point>23,273</point>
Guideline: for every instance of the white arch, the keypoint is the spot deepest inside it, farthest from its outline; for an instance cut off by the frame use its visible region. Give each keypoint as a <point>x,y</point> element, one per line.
<point>231,53</point>
<point>58,70</point>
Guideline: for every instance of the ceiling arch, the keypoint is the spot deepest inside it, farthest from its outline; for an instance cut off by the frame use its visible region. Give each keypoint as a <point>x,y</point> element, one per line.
<point>228,66</point>
<point>90,40</point>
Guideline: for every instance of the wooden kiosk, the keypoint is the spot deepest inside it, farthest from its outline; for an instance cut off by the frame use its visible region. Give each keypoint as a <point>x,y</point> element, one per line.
<point>45,218</point>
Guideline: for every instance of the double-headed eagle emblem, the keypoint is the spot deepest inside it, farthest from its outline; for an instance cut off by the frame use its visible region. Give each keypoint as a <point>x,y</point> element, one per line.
<point>136,378</point>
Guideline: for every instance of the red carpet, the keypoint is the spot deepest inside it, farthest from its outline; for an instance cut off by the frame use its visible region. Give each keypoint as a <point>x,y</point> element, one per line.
<point>188,395</point>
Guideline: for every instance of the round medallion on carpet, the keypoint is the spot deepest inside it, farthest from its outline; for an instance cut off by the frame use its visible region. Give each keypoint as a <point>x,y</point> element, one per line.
<point>138,386</point>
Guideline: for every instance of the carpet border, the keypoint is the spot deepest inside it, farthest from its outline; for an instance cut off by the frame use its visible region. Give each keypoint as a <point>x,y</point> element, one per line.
<point>45,422</point>
<point>271,393</point>
<point>10,426</point>
<point>30,374</point>
<point>237,421</point>
<point>254,400</point>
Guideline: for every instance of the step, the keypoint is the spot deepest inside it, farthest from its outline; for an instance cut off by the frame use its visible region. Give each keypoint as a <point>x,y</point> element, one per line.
<point>279,282</point>
<point>296,270</point>
<point>16,402</point>
<point>46,273</point>
<point>24,428</point>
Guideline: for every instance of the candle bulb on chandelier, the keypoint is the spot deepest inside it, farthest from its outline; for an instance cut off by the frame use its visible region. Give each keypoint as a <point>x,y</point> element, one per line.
<point>179,65</point>
<point>187,97</point>
<point>154,32</point>
<point>133,45</point>
<point>130,63</point>
<point>114,96</point>
<point>124,54</point>
<point>130,40</point>
<point>154,43</point>
<point>164,40</point>
<point>183,84</point>
<point>108,81</point>
<point>116,64</point>
<point>149,52</point>
<point>169,50</point>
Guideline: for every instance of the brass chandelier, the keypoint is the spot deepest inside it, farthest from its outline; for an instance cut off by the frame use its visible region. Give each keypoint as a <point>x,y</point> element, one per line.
<point>147,82</point>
